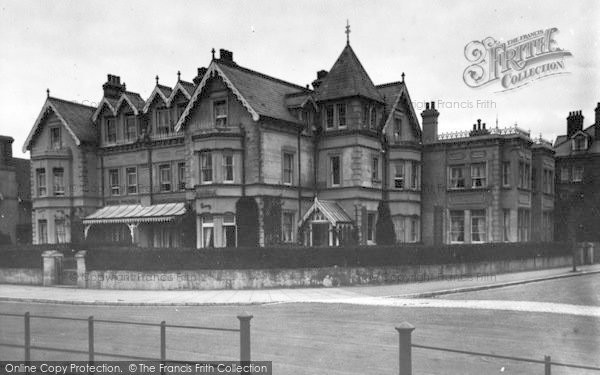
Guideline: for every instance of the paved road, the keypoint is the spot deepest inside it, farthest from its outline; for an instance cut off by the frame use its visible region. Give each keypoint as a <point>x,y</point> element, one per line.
<point>309,338</point>
<point>581,290</point>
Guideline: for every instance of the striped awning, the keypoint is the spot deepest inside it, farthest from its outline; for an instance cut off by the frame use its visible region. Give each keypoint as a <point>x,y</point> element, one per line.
<point>135,213</point>
<point>331,210</point>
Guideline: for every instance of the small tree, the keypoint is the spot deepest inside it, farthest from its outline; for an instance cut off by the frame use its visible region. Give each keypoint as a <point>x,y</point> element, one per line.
<point>384,229</point>
<point>246,212</point>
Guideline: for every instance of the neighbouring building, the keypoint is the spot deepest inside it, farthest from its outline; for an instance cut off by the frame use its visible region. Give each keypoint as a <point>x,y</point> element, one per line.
<point>578,180</point>
<point>15,195</point>
<point>485,185</point>
<point>316,160</point>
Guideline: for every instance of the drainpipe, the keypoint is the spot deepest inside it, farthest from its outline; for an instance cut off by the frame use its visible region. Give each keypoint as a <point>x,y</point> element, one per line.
<point>384,169</point>
<point>102,178</point>
<point>299,172</point>
<point>243,160</point>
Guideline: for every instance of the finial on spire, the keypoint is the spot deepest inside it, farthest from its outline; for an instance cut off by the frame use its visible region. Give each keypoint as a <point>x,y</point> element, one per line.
<point>157,79</point>
<point>403,77</point>
<point>347,32</point>
<point>47,93</point>
<point>213,53</point>
<point>179,75</point>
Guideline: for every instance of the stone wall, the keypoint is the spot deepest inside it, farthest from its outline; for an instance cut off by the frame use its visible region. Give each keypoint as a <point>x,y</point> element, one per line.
<point>306,277</point>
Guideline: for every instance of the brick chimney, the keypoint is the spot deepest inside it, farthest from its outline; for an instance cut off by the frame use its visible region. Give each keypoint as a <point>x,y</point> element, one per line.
<point>6,158</point>
<point>321,74</point>
<point>430,123</point>
<point>226,56</point>
<point>574,123</point>
<point>200,75</point>
<point>113,87</point>
<point>597,122</point>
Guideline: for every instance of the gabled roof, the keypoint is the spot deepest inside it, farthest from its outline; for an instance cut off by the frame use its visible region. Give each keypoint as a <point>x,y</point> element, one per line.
<point>163,92</point>
<point>330,209</point>
<point>188,87</point>
<point>298,100</point>
<point>562,146</point>
<point>260,94</point>
<point>347,78</point>
<point>394,93</point>
<point>133,99</point>
<point>76,118</point>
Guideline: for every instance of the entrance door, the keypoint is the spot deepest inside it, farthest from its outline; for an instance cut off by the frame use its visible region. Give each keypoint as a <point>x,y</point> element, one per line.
<point>320,234</point>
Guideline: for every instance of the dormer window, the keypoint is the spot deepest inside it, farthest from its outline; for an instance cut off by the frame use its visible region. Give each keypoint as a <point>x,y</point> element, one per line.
<point>130,128</point>
<point>111,130</point>
<point>220,113</point>
<point>580,143</point>
<point>55,143</point>
<point>162,122</point>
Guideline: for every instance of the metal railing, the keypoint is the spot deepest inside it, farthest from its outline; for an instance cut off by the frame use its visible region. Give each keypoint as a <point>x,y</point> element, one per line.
<point>512,130</point>
<point>244,331</point>
<point>405,330</point>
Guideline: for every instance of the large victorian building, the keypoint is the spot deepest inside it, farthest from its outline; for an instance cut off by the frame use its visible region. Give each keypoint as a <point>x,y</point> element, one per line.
<point>15,196</point>
<point>578,180</point>
<point>485,184</point>
<point>317,161</point>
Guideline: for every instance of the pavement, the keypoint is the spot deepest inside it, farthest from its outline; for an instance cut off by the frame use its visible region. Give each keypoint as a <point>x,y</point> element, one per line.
<point>414,293</point>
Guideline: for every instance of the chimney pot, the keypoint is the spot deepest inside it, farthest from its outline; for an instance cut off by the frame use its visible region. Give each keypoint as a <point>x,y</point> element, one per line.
<point>432,105</point>
<point>474,126</point>
<point>426,106</point>
<point>226,55</point>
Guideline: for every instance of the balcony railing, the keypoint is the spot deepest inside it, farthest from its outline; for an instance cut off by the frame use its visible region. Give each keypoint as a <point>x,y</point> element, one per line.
<point>512,130</point>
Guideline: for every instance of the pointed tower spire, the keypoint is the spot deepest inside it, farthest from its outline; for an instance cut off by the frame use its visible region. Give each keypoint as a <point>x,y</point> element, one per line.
<point>347,32</point>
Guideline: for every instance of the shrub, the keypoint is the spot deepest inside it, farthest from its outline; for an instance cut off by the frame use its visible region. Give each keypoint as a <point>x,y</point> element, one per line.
<point>384,229</point>
<point>247,221</point>
<point>139,259</point>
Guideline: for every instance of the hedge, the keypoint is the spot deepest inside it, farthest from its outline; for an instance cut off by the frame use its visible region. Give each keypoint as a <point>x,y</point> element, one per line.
<point>144,259</point>
<point>21,259</point>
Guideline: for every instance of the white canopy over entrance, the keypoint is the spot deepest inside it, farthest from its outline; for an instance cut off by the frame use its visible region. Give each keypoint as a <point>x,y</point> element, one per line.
<point>326,224</point>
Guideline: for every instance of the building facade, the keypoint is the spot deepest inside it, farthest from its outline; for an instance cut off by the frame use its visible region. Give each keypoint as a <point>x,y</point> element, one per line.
<point>317,161</point>
<point>15,196</point>
<point>485,184</point>
<point>578,180</point>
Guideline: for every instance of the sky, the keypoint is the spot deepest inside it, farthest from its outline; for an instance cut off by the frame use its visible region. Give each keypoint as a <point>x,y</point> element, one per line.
<point>70,46</point>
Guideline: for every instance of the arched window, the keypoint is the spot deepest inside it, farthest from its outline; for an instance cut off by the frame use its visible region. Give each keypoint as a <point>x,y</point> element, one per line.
<point>373,118</point>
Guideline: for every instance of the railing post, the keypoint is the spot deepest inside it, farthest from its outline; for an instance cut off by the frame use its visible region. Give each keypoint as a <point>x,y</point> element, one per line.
<point>163,341</point>
<point>405,347</point>
<point>245,337</point>
<point>91,339</point>
<point>547,365</point>
<point>27,332</point>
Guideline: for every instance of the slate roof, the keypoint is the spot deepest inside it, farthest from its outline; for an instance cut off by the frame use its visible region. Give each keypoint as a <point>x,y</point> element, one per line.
<point>347,78</point>
<point>166,90</point>
<point>136,99</point>
<point>298,99</point>
<point>562,146</point>
<point>188,86</point>
<point>78,117</point>
<point>265,94</point>
<point>389,92</point>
